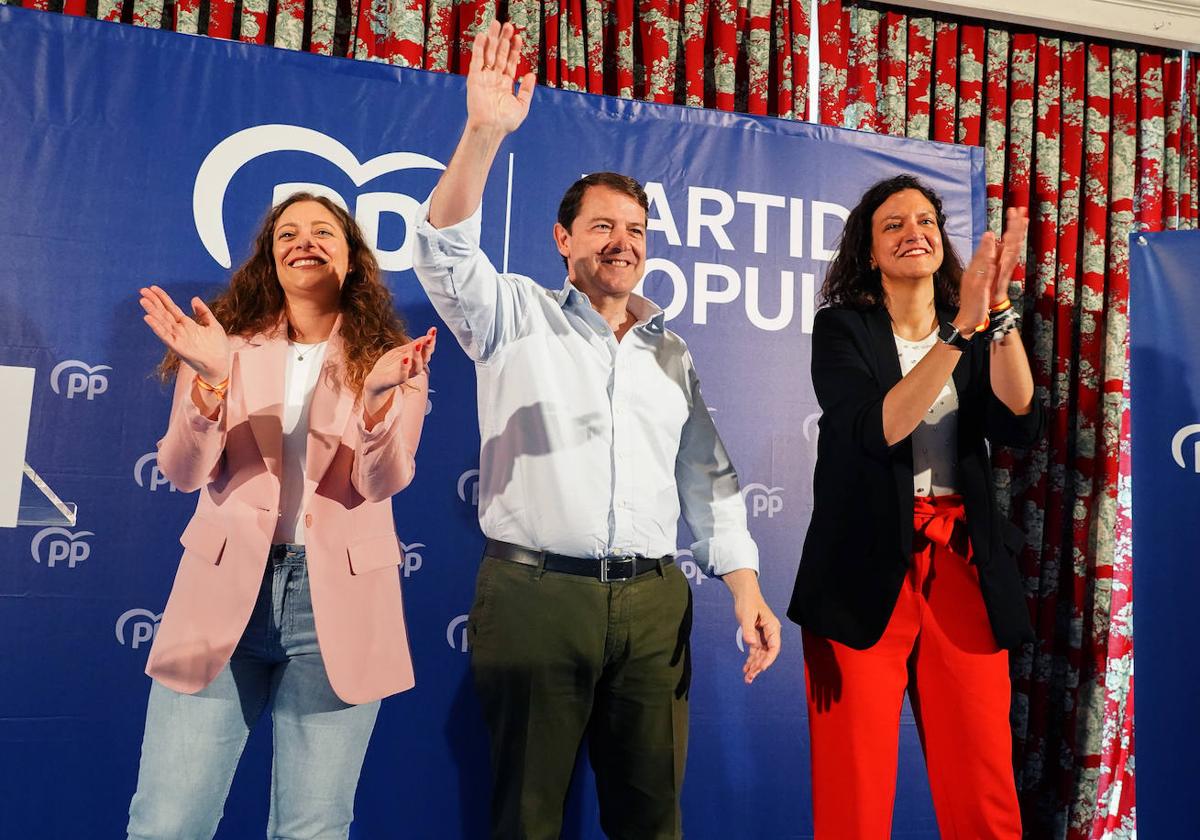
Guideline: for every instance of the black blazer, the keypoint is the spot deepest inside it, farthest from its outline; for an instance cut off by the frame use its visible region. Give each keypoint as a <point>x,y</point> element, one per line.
<point>859,544</point>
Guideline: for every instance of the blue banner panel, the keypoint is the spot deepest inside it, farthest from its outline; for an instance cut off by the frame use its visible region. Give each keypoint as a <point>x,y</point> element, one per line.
<point>1164,298</point>
<point>135,156</point>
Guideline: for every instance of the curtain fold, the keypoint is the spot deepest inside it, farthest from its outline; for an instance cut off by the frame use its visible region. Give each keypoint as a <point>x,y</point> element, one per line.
<point>1095,139</point>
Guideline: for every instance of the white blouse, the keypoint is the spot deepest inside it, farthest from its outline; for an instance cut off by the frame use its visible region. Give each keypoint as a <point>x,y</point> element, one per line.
<point>935,440</point>
<point>303,366</point>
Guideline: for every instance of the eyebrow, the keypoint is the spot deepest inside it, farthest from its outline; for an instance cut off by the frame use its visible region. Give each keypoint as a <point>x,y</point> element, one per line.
<point>280,227</point>
<point>901,215</point>
<point>613,221</point>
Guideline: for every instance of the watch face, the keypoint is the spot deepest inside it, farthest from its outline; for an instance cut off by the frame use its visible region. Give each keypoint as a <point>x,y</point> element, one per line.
<point>949,335</point>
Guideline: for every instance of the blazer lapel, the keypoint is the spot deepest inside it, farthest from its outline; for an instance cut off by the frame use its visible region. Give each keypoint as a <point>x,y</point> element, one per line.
<point>883,345</point>
<point>331,405</point>
<point>887,362</point>
<point>262,364</point>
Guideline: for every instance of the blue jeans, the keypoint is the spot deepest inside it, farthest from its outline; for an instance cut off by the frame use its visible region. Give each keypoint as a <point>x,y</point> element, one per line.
<point>193,741</point>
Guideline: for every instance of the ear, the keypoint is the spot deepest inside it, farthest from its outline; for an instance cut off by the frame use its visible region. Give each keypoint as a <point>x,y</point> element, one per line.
<point>562,239</point>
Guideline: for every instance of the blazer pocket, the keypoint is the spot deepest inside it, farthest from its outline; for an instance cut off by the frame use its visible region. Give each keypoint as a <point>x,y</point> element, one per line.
<point>205,539</point>
<point>374,553</point>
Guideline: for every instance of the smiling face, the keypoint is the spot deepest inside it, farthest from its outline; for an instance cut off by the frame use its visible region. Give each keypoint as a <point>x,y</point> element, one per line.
<point>605,248</point>
<point>312,256</point>
<point>906,242</point>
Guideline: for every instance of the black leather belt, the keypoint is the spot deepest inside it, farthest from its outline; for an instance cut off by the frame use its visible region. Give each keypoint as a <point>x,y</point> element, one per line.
<point>603,569</point>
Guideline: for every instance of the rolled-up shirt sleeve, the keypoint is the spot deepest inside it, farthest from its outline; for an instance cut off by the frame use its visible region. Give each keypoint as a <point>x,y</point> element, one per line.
<point>709,494</point>
<point>480,306</point>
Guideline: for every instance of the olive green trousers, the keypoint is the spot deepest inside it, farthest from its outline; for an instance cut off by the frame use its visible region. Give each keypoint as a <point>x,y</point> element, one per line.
<point>557,658</point>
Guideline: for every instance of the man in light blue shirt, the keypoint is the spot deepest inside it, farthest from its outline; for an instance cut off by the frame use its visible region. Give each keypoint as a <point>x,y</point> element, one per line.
<point>595,439</point>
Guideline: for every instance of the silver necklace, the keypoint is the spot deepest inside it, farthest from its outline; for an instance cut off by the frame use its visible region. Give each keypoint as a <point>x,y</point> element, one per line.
<point>308,349</point>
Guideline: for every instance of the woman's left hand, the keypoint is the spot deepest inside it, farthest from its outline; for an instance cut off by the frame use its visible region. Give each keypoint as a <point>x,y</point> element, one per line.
<point>1012,249</point>
<point>394,368</point>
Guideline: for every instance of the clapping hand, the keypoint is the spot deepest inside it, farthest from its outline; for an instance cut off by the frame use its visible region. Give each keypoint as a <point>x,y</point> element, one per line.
<point>986,278</point>
<point>975,288</point>
<point>1012,249</point>
<point>200,342</point>
<point>394,368</point>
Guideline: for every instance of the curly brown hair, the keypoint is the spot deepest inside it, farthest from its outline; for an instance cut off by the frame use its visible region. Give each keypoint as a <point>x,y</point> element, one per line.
<point>254,301</point>
<point>852,283</point>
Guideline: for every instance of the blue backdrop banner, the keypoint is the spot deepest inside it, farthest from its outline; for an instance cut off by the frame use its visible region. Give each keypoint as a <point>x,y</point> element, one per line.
<point>135,156</point>
<point>1165,416</point>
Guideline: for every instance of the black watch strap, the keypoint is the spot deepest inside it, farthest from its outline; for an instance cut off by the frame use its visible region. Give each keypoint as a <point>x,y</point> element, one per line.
<point>949,334</point>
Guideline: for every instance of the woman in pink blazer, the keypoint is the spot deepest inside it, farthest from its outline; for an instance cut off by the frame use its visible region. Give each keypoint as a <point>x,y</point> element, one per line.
<point>298,408</point>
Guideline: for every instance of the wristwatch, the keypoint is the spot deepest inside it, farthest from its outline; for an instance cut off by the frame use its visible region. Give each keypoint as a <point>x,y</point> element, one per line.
<point>949,334</point>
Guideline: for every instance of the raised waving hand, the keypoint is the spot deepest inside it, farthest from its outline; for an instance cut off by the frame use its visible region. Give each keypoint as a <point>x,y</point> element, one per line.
<point>494,110</point>
<point>491,101</point>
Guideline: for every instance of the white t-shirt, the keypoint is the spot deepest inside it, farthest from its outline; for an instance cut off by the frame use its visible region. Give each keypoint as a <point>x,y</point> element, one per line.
<point>935,440</point>
<point>303,368</point>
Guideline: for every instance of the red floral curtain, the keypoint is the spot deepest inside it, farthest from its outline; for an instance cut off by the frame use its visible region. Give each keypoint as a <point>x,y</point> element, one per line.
<point>1096,139</point>
<point>744,55</point>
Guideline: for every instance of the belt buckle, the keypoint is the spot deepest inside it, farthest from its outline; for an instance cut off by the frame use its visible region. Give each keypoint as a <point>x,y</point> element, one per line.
<point>606,563</point>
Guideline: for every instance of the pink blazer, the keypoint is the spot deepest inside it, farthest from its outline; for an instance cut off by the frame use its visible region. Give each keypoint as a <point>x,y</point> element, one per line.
<point>352,550</point>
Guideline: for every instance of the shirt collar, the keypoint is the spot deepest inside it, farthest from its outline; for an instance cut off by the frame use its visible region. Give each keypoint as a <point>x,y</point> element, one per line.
<point>648,313</point>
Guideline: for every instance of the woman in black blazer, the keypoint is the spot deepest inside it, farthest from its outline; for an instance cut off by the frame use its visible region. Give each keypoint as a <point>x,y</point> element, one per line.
<point>908,578</point>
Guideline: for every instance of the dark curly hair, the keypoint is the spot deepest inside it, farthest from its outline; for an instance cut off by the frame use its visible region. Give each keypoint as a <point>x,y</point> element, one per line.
<point>852,283</point>
<point>254,300</point>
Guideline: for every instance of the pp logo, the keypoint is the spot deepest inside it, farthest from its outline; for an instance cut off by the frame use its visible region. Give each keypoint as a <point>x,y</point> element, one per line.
<point>687,564</point>
<point>811,428</point>
<point>763,499</point>
<point>235,151</point>
<point>86,380</point>
<point>1177,447</point>
<point>152,478</point>
<point>61,544</point>
<point>142,623</point>
<point>412,557</point>
<point>456,634</point>
<point>468,483</point>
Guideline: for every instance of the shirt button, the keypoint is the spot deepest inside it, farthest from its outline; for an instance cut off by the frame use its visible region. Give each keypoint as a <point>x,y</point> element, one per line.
<point>308,520</point>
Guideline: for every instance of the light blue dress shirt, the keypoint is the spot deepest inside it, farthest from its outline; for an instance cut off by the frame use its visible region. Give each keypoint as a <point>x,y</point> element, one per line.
<point>589,446</point>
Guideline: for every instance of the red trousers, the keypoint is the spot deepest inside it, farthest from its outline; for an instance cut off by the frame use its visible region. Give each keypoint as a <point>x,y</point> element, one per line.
<point>939,646</point>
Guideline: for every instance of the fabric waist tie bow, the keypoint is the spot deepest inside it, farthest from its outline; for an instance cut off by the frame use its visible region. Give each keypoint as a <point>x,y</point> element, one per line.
<point>941,520</point>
